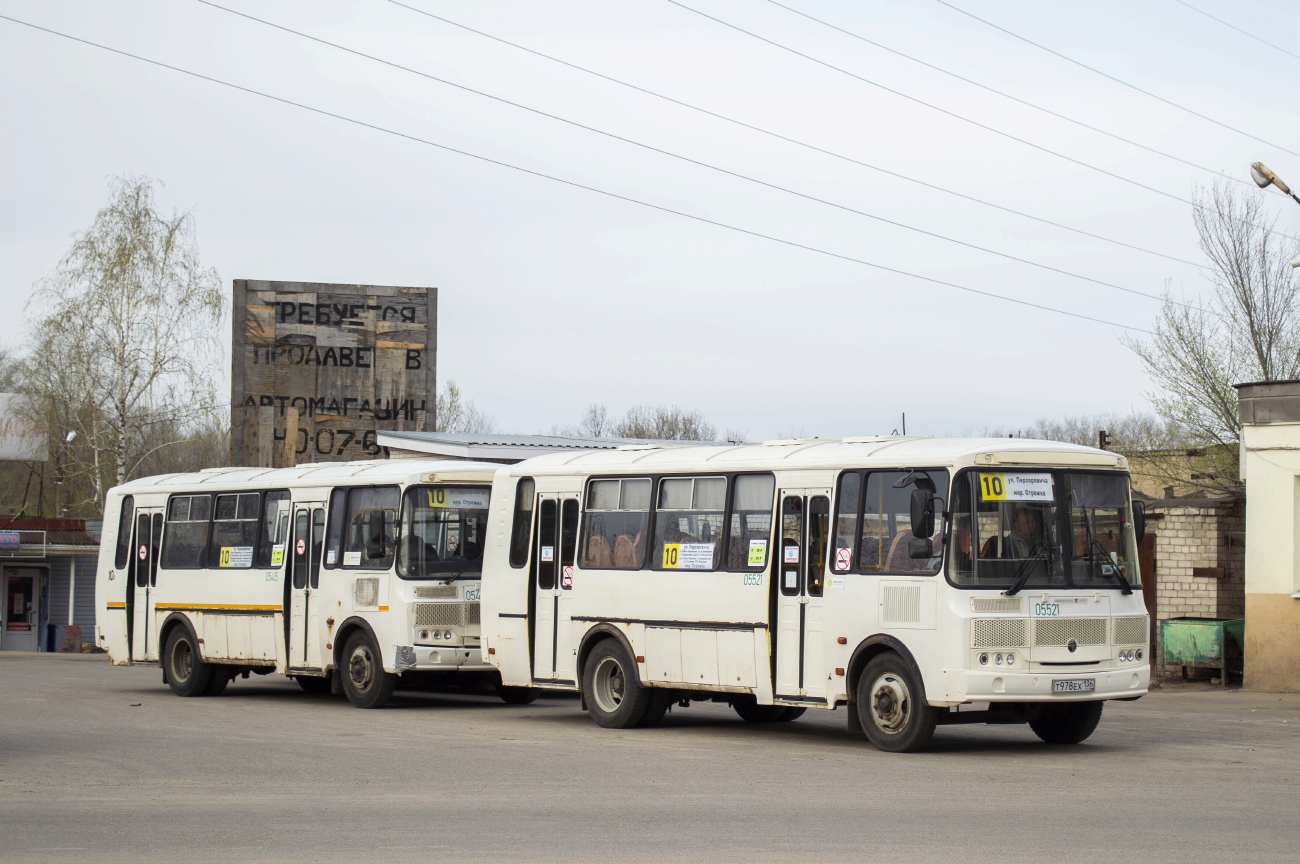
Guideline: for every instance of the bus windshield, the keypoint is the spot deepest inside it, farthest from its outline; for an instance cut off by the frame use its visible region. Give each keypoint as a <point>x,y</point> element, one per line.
<point>443,530</point>
<point>1043,529</point>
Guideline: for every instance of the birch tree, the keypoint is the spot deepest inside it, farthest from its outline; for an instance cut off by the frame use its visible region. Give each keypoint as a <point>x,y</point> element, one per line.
<point>125,345</point>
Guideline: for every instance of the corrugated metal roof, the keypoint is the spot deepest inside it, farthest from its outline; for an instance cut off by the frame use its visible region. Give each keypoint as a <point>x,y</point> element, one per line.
<point>468,445</point>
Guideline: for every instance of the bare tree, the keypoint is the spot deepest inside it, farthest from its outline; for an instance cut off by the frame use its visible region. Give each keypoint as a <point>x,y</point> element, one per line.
<point>126,338</point>
<point>664,422</point>
<point>1248,329</point>
<point>595,422</point>
<point>455,413</point>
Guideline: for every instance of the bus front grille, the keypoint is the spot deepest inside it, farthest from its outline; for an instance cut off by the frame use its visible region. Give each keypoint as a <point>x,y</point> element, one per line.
<point>1061,631</point>
<point>439,614</point>
<point>997,633</point>
<point>1131,631</point>
<point>435,592</point>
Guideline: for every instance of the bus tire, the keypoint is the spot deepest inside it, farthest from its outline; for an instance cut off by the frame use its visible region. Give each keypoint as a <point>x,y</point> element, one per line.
<point>1068,723</point>
<point>365,682</point>
<point>312,684</point>
<point>660,701</point>
<point>519,695</point>
<point>187,675</point>
<point>790,714</point>
<point>221,676</point>
<point>751,712</point>
<point>891,703</point>
<point>615,698</point>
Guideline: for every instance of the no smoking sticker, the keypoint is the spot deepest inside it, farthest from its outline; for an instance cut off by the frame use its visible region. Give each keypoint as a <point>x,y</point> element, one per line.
<point>302,546</point>
<point>144,552</point>
<point>842,557</point>
<point>566,577</point>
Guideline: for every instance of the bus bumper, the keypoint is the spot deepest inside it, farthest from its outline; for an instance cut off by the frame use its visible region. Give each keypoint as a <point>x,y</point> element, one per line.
<point>965,685</point>
<point>449,658</point>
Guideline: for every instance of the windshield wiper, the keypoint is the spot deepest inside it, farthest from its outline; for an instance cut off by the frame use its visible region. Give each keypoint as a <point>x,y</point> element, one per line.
<point>1109,569</point>
<point>1027,569</point>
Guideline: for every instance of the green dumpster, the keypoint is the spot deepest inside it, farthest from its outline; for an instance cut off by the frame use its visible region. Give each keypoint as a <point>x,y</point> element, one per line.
<point>1211,643</point>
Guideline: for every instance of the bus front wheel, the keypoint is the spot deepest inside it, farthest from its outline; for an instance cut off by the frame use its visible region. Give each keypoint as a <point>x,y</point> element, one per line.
<point>187,675</point>
<point>615,698</point>
<point>365,682</point>
<point>892,706</point>
<point>1068,723</point>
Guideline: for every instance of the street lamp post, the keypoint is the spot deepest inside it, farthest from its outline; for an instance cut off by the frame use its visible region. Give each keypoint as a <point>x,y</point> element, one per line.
<point>1264,178</point>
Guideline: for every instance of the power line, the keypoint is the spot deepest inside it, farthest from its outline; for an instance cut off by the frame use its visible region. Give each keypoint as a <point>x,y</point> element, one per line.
<point>1117,80</point>
<point>687,159</point>
<point>929,105</point>
<point>1006,95</point>
<point>572,183</point>
<point>1238,29</point>
<point>960,117</point>
<point>797,142</point>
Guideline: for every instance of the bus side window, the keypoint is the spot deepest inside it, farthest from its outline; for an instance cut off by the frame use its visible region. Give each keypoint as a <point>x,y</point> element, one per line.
<point>186,536</point>
<point>124,533</point>
<point>522,528</point>
<point>750,527</point>
<point>274,531</point>
<point>847,510</point>
<point>688,523</point>
<point>334,537</point>
<point>615,525</point>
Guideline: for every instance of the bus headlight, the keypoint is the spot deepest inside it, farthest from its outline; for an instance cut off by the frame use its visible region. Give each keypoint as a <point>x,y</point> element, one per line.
<point>1011,658</point>
<point>998,659</point>
<point>446,634</point>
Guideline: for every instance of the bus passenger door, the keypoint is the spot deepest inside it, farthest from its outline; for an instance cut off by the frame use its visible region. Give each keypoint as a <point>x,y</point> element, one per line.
<point>803,535</point>
<point>554,550</point>
<point>142,580</point>
<point>304,584</point>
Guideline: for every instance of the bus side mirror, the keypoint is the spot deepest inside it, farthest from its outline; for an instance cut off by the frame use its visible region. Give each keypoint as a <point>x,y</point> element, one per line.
<point>1139,520</point>
<point>922,513</point>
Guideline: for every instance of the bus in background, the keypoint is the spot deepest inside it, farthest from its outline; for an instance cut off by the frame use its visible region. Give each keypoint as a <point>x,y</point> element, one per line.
<point>344,576</point>
<point>914,581</point>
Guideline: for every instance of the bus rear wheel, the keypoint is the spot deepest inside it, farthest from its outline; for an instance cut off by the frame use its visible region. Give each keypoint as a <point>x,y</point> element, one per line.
<point>187,675</point>
<point>891,705</point>
<point>518,695</point>
<point>615,698</point>
<point>220,678</point>
<point>365,682</point>
<point>751,712</point>
<point>312,684</point>
<point>1068,723</point>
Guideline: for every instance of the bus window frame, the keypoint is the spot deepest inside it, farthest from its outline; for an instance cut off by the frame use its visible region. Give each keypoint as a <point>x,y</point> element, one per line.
<point>1058,473</point>
<point>864,475</point>
<point>646,564</point>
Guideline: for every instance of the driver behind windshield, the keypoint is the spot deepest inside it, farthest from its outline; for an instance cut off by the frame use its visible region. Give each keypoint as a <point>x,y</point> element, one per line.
<point>1026,537</point>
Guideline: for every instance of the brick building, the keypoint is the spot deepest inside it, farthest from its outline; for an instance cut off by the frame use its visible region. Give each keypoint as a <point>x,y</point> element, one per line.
<point>1200,554</point>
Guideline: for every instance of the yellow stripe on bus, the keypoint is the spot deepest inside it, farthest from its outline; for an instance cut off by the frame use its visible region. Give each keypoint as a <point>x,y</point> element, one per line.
<point>383,608</point>
<point>254,607</point>
<point>116,604</point>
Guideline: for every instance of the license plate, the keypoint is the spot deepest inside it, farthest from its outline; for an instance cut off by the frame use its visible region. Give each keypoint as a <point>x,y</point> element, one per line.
<point>1074,685</point>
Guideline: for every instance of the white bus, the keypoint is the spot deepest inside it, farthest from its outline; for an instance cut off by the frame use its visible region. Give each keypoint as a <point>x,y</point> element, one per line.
<point>344,576</point>
<point>915,581</point>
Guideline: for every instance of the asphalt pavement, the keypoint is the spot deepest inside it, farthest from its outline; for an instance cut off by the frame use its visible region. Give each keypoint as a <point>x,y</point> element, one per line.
<point>104,764</point>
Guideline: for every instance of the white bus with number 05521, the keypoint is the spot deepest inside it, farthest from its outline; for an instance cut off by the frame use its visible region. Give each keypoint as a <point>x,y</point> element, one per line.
<point>914,582</point>
<point>347,577</point>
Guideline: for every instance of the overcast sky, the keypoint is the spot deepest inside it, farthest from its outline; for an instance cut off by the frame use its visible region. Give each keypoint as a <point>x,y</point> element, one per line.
<point>552,297</point>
